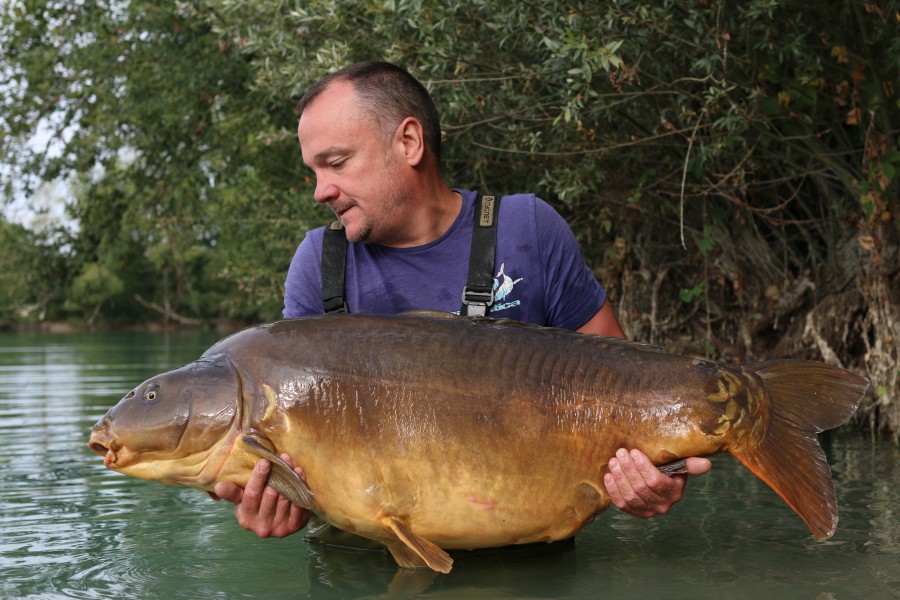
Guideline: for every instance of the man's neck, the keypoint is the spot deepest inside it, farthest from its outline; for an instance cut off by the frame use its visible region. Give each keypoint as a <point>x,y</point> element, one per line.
<point>430,216</point>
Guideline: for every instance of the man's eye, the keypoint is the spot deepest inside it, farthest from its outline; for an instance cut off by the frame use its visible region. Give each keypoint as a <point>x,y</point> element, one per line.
<point>338,163</point>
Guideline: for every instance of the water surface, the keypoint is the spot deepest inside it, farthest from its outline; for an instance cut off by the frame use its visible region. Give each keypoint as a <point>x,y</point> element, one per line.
<point>71,529</point>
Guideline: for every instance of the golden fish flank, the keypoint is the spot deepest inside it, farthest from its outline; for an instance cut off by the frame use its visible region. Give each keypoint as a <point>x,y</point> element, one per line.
<point>420,431</point>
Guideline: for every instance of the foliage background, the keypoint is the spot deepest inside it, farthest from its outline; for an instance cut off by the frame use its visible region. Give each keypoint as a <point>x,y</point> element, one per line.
<point>730,168</point>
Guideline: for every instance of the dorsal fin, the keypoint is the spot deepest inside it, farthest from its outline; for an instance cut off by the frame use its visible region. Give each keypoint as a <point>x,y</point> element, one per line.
<point>430,314</point>
<point>611,341</point>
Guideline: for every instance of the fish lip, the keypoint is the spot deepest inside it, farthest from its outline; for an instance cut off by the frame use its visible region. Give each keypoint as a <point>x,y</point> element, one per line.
<point>100,443</point>
<point>98,448</point>
<point>106,448</point>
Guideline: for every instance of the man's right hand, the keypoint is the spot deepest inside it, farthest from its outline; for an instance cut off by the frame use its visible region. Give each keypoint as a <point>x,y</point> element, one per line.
<point>259,507</point>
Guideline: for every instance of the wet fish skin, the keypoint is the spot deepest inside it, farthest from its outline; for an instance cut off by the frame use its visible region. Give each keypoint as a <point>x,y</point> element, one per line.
<point>431,433</point>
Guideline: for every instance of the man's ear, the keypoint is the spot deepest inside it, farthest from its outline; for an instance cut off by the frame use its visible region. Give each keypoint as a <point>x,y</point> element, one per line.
<point>409,141</point>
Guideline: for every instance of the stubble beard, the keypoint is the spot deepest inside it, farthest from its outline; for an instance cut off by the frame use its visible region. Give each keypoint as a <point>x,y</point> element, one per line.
<point>375,228</point>
<point>363,231</point>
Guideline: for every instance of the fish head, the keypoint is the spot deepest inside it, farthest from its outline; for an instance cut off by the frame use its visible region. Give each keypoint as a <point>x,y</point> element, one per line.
<point>174,427</point>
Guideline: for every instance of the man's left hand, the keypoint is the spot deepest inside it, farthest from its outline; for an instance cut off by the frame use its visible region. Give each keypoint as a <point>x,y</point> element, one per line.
<point>637,487</point>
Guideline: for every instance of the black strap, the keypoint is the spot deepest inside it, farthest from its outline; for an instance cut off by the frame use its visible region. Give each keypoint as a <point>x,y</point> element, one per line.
<point>478,295</point>
<point>334,257</point>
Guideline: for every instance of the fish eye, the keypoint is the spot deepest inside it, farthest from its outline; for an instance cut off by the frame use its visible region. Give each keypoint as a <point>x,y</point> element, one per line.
<point>151,394</point>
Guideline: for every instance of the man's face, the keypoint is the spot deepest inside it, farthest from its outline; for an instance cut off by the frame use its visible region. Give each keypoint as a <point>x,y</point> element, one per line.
<point>356,173</point>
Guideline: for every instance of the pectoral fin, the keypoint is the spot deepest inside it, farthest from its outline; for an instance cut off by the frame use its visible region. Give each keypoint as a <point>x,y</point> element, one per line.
<point>282,477</point>
<point>415,551</point>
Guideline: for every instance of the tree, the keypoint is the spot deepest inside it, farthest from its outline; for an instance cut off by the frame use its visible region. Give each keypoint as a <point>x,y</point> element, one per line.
<point>173,153</point>
<point>33,272</point>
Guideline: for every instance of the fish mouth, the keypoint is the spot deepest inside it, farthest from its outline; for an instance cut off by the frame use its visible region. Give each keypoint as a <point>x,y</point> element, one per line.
<point>104,449</point>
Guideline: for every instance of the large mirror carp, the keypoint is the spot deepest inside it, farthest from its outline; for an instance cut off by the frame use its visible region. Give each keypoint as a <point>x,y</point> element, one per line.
<point>430,432</point>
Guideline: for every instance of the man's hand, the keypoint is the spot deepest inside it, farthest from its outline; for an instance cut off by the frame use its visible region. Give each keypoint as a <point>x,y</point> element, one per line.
<point>637,487</point>
<point>260,508</point>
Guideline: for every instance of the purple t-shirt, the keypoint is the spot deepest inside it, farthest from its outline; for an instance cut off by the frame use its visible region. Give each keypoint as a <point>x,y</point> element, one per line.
<point>541,276</point>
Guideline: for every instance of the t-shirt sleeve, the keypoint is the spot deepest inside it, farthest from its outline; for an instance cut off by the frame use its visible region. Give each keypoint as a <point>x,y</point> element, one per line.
<point>303,285</point>
<point>572,293</point>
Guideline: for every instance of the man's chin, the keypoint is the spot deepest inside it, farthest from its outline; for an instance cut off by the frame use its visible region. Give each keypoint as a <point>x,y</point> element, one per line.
<point>357,234</point>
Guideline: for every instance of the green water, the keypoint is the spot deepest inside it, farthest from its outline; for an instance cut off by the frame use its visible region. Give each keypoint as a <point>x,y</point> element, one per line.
<point>71,529</point>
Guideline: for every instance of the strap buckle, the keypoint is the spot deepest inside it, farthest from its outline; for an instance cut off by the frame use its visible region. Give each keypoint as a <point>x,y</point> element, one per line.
<point>477,302</point>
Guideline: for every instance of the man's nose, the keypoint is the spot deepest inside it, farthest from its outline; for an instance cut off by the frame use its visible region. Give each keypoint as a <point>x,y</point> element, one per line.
<point>325,191</point>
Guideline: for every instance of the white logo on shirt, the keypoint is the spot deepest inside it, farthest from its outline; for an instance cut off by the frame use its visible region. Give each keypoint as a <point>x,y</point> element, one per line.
<point>503,287</point>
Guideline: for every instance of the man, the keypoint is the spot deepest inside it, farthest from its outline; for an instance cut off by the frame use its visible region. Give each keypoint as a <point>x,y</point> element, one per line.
<point>371,135</point>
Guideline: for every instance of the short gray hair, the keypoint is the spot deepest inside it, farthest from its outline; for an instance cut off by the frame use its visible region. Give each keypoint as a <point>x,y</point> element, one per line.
<point>390,94</point>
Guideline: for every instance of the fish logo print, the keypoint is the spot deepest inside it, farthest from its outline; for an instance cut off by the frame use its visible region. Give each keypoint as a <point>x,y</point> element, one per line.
<point>503,286</point>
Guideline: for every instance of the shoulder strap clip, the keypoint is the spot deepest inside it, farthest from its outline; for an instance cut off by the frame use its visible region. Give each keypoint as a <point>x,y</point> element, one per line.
<point>478,295</point>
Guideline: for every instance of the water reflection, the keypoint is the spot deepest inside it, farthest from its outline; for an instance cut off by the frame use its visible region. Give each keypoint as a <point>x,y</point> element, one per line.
<point>71,529</point>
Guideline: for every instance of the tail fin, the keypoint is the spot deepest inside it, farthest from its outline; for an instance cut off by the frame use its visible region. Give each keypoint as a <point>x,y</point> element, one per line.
<point>806,398</point>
